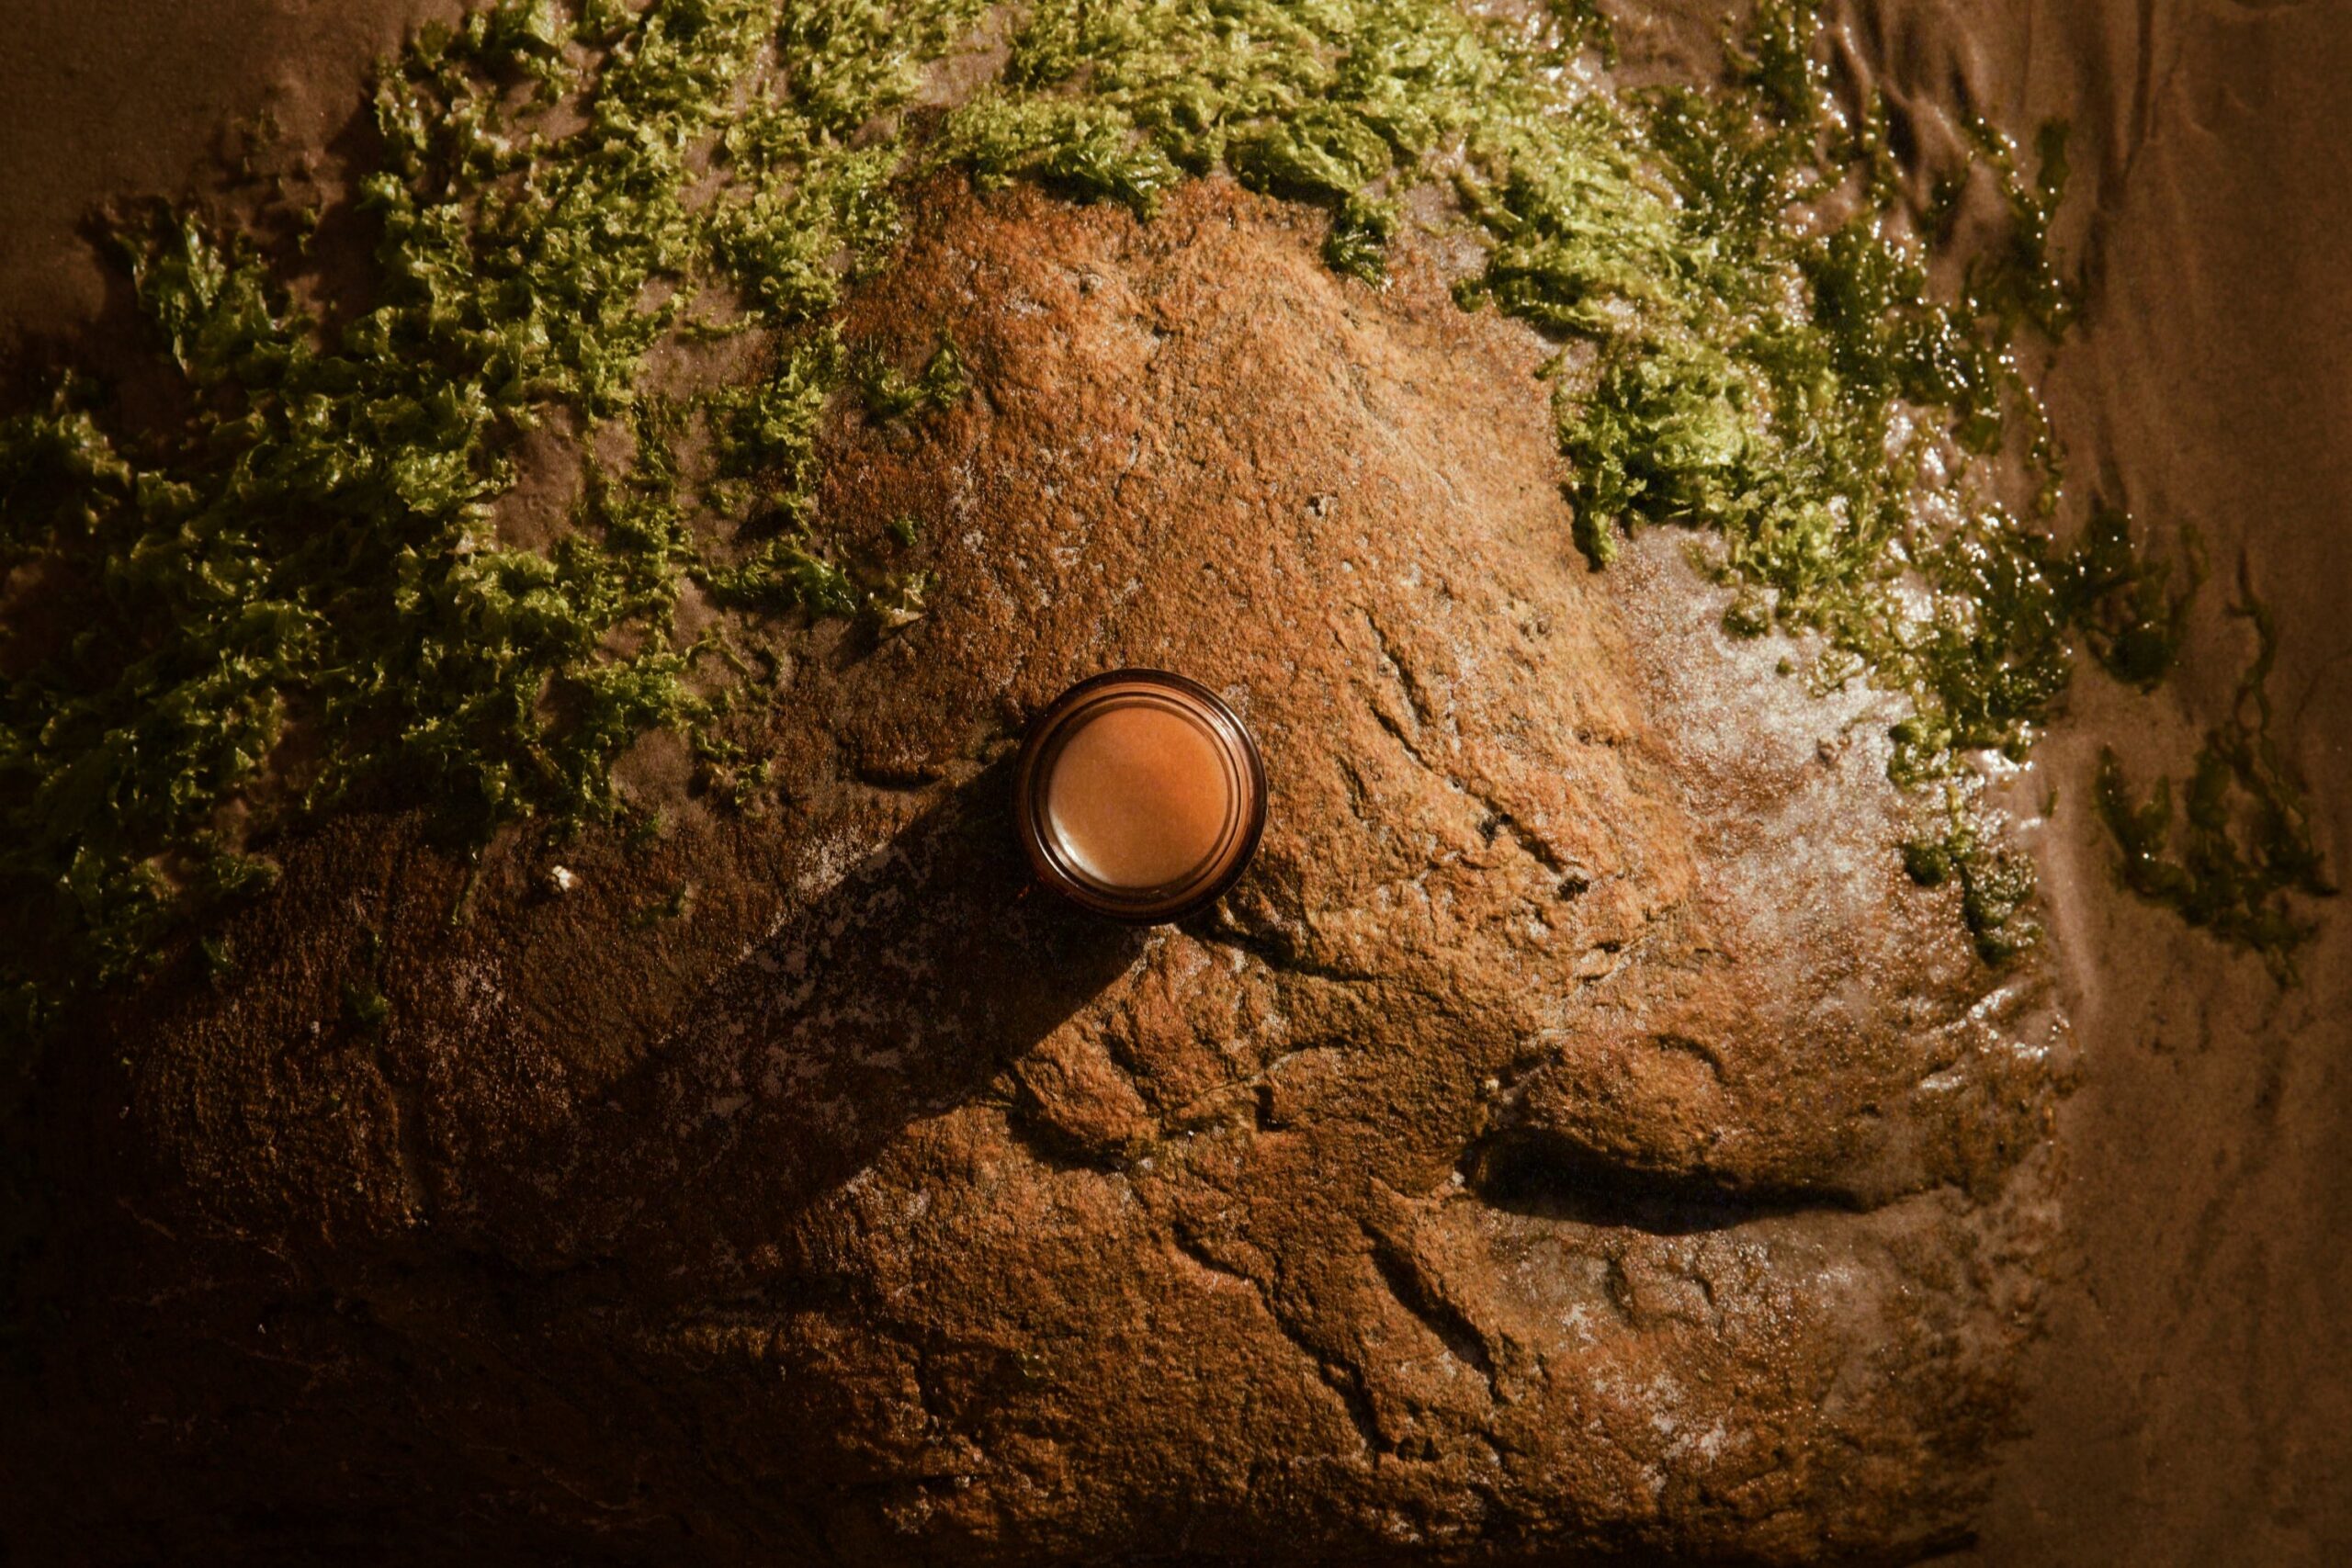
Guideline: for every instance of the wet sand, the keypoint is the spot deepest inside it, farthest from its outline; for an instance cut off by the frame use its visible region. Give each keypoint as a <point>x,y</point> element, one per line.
<point>2190,1397</point>
<point>120,99</point>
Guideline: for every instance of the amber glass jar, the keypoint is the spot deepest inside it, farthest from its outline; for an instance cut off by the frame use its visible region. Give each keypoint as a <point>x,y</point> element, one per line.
<point>1140,795</point>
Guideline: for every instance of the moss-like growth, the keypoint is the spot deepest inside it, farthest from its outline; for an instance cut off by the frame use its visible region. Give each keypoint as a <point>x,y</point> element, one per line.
<point>1996,882</point>
<point>2242,844</point>
<point>296,596</point>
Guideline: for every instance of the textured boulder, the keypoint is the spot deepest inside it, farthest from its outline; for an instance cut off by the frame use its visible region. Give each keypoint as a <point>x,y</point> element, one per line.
<point>1574,1134</point>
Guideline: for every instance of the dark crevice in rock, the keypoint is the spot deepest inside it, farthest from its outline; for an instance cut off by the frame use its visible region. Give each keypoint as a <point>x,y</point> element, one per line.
<point>899,777</point>
<point>1345,1382</point>
<point>1053,1148</point>
<point>1499,820</point>
<point>408,1146</point>
<point>1548,1175</point>
<point>1407,681</point>
<point>1266,1114</point>
<point>1359,793</point>
<point>1617,1287</point>
<point>1496,817</point>
<point>1282,957</point>
<point>1418,1294</point>
<point>1396,731</point>
<point>1698,1050</point>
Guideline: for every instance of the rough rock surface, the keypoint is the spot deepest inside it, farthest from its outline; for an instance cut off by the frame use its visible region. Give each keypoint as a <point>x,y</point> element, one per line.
<point>1574,1135</point>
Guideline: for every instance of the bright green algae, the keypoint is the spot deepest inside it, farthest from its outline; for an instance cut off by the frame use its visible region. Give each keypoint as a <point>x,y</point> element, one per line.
<point>294,596</point>
<point>297,598</point>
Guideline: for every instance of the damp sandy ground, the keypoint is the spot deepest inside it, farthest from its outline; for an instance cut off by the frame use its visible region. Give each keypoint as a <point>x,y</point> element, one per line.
<point>2194,1390</point>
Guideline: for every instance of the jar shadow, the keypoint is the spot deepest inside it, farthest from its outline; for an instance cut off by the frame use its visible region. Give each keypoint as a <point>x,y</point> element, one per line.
<point>895,995</point>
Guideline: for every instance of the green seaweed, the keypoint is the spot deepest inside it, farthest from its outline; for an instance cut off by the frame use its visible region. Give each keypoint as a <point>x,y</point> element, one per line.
<point>2016,279</point>
<point>2132,616</point>
<point>298,598</point>
<point>1746,373</point>
<point>676,904</point>
<point>1996,882</point>
<point>295,595</point>
<point>892,395</point>
<point>1357,243</point>
<point>2242,841</point>
<point>363,1005</point>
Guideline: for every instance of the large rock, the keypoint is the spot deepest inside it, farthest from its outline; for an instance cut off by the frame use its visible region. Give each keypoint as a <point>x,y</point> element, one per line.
<point>1574,1132</point>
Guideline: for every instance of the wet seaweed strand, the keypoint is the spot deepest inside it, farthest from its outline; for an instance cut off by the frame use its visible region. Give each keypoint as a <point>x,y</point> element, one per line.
<point>296,597</point>
<point>2243,845</point>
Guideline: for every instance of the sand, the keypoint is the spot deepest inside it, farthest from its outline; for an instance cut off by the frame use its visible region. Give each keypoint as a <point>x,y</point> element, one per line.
<point>2190,1398</point>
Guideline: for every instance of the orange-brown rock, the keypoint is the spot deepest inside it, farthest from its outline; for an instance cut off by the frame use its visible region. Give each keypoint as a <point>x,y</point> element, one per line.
<point>1574,1135</point>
